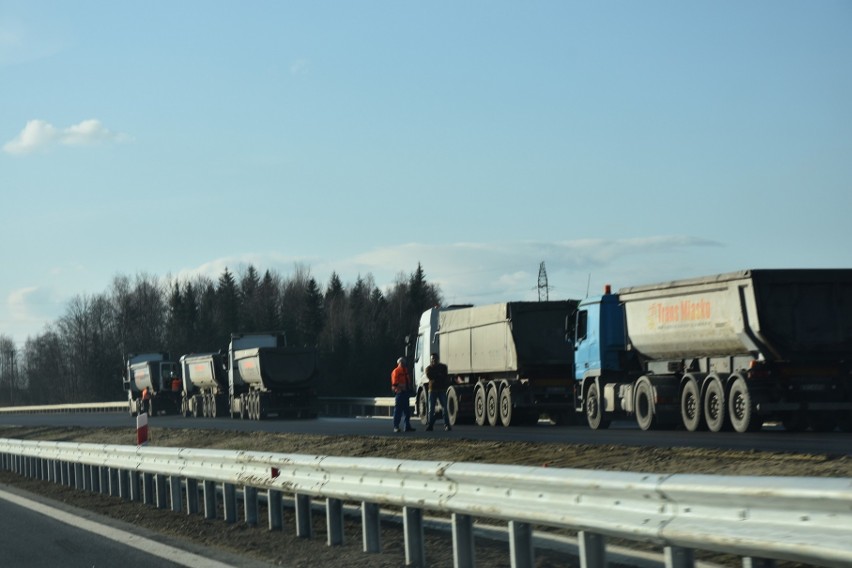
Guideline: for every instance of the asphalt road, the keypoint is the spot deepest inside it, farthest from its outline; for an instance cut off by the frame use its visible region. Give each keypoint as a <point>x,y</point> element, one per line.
<point>626,433</point>
<point>38,532</point>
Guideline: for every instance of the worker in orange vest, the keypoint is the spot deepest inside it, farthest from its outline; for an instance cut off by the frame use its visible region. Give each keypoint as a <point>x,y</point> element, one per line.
<point>402,387</point>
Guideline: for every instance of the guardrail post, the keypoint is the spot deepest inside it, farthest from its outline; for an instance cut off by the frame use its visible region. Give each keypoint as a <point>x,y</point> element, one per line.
<point>115,484</point>
<point>209,500</point>
<point>412,524</point>
<point>95,478</point>
<point>749,562</point>
<point>175,493</point>
<point>679,557</point>
<point>304,528</point>
<point>122,481</point>
<point>274,509</point>
<point>135,489</point>
<point>148,488</point>
<point>229,497</point>
<point>463,549</point>
<point>79,479</point>
<point>250,505</point>
<point>160,492</point>
<point>191,496</point>
<point>371,527</point>
<point>592,550</point>
<point>520,544</point>
<point>103,471</point>
<point>334,521</point>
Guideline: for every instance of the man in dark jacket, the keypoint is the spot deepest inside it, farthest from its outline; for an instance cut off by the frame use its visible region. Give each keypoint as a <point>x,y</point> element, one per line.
<point>439,382</point>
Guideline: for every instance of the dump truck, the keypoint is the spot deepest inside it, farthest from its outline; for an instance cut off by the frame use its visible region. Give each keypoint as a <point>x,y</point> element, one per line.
<point>509,363</point>
<point>267,378</point>
<point>728,351</point>
<point>157,373</point>
<point>205,385</point>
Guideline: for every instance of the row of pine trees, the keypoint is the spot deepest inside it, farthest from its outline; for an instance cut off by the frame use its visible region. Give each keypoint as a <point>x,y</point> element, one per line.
<point>358,329</point>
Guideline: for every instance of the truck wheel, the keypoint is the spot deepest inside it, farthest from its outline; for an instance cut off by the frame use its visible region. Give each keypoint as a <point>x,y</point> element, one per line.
<point>422,406</point>
<point>452,405</point>
<point>714,405</point>
<point>594,409</point>
<point>479,405</point>
<point>506,406</point>
<point>492,404</point>
<point>740,408</point>
<point>690,406</point>
<point>643,403</point>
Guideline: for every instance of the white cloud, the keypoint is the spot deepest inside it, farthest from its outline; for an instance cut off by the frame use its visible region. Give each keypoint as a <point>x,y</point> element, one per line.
<point>27,311</point>
<point>492,272</point>
<point>40,135</point>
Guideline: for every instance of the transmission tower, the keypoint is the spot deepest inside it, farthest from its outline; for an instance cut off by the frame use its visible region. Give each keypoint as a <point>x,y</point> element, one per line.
<point>543,291</point>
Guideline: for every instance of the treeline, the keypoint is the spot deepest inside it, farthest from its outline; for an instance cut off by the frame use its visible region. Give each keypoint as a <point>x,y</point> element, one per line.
<point>357,328</point>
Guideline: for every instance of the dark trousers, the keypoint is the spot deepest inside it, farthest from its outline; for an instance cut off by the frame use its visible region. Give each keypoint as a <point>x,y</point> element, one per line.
<point>402,410</point>
<point>434,397</point>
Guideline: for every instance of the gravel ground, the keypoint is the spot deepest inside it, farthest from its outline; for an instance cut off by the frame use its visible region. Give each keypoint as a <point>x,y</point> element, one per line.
<point>283,548</point>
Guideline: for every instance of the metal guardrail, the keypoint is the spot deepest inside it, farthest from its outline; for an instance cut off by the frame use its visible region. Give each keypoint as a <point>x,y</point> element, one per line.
<point>784,518</point>
<point>328,405</point>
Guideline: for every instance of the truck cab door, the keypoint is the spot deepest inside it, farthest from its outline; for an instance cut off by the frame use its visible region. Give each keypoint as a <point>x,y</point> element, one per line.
<point>587,351</point>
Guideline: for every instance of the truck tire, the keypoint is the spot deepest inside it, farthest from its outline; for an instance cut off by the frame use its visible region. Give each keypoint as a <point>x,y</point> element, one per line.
<point>492,404</point>
<point>506,406</point>
<point>643,404</point>
<point>714,405</point>
<point>452,405</point>
<point>479,405</point>
<point>691,413</point>
<point>593,406</point>
<point>421,404</point>
<point>743,415</point>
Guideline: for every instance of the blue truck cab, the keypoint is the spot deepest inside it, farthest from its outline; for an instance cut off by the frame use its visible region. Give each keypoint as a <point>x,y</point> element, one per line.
<point>599,343</point>
<point>599,354</point>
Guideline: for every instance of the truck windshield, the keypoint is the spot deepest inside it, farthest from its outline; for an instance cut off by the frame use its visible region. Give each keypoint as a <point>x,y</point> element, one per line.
<point>418,347</point>
<point>582,324</point>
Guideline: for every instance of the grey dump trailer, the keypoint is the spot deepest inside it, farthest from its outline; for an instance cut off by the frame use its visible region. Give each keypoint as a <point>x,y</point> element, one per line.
<point>510,363</point>
<point>731,350</point>
<point>152,383</point>
<point>205,385</point>
<point>267,378</point>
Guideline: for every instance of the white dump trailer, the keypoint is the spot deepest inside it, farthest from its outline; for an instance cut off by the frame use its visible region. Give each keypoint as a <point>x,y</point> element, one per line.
<point>268,378</point>
<point>728,350</point>
<point>510,363</point>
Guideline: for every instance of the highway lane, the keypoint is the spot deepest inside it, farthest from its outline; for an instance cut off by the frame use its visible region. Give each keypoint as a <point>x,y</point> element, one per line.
<point>625,433</point>
<point>37,532</point>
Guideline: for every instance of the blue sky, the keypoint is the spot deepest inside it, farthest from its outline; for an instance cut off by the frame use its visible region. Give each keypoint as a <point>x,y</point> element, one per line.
<point>619,142</point>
